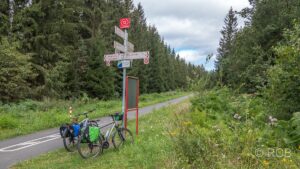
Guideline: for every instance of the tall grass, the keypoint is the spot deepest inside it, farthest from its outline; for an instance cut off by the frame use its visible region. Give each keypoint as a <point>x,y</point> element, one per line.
<point>233,131</point>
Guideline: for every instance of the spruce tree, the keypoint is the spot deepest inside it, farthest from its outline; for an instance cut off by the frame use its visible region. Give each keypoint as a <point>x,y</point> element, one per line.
<point>228,33</point>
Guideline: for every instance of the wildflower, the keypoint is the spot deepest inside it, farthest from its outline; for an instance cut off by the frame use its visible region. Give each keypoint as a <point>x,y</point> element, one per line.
<point>237,116</point>
<point>284,160</point>
<point>272,121</point>
<point>216,128</point>
<point>266,163</point>
<point>174,133</point>
<point>187,123</point>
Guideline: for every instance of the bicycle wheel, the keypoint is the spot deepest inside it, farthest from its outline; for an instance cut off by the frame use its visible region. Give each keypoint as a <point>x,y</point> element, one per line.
<point>69,141</point>
<point>88,149</point>
<point>122,137</point>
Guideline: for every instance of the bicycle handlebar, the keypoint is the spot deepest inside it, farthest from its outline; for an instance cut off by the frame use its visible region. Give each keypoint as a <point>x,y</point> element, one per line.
<point>85,113</point>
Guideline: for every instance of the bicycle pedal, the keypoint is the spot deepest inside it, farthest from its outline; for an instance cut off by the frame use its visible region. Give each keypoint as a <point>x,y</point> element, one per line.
<point>105,145</point>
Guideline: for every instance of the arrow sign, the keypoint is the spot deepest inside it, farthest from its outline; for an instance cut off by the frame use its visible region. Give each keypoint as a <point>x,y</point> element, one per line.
<point>128,56</point>
<point>137,55</point>
<point>119,32</point>
<point>119,46</point>
<point>114,57</point>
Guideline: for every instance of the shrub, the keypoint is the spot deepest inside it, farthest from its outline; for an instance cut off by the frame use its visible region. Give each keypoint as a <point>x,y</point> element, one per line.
<point>295,129</point>
<point>7,122</point>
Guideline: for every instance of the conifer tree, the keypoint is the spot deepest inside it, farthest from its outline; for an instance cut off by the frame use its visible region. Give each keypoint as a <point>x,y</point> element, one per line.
<point>228,33</point>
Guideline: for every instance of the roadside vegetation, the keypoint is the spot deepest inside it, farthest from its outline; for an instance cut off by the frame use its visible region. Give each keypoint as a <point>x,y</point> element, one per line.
<point>30,116</point>
<point>219,129</point>
<point>230,130</point>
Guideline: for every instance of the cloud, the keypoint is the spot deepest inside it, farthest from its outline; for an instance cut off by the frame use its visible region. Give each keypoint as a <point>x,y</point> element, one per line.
<point>192,27</point>
<point>197,58</point>
<point>189,55</point>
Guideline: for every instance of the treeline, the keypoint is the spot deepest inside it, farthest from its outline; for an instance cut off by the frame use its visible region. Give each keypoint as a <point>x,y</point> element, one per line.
<point>263,57</point>
<point>55,48</point>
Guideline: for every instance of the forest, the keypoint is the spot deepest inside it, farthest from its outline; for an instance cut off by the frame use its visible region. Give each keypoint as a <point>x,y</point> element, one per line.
<point>263,57</point>
<point>55,49</point>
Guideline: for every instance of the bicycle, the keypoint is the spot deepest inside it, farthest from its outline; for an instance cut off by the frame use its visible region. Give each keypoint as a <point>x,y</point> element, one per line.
<point>89,140</point>
<point>121,136</point>
<point>70,132</point>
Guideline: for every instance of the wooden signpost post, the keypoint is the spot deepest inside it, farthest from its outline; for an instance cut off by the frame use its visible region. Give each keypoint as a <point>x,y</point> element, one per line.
<point>124,54</point>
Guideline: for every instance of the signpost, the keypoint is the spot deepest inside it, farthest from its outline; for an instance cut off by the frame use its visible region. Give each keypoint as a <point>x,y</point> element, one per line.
<point>127,54</point>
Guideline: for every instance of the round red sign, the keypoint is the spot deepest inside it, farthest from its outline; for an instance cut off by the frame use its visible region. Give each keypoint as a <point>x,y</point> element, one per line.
<point>125,23</point>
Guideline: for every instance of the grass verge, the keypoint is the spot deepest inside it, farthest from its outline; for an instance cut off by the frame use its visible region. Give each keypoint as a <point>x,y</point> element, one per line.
<point>31,116</point>
<point>153,147</point>
<point>228,130</point>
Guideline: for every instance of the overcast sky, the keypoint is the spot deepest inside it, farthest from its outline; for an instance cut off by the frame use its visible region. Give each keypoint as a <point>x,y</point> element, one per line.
<point>192,27</point>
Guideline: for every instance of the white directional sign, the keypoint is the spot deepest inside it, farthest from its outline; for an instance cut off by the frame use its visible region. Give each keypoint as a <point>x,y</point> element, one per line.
<point>118,46</point>
<point>119,32</point>
<point>114,57</point>
<point>137,55</point>
<point>129,56</point>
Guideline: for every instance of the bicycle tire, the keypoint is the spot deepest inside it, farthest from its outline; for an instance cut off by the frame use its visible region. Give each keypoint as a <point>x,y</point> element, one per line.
<point>122,137</point>
<point>70,143</point>
<point>87,149</point>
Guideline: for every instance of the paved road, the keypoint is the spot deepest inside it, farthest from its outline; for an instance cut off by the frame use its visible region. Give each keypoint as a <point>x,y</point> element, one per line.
<point>25,147</point>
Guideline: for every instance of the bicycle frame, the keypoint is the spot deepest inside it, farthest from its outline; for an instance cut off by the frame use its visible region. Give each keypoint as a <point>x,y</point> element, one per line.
<point>109,132</point>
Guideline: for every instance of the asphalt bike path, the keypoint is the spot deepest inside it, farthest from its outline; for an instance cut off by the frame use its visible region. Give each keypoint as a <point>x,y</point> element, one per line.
<point>26,147</point>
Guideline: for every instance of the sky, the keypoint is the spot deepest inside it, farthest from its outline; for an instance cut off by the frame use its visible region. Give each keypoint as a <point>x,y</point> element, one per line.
<point>191,27</point>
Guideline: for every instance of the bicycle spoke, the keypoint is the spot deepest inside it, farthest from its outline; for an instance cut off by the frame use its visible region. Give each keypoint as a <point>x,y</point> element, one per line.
<point>122,137</point>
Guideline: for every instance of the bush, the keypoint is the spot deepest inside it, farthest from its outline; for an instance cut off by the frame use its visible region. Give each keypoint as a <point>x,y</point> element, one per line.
<point>283,89</point>
<point>7,122</point>
<point>295,129</point>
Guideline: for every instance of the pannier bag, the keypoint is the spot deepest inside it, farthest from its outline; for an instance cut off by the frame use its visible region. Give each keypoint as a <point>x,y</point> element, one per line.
<point>90,134</point>
<point>72,130</point>
<point>63,128</point>
<point>76,129</point>
<point>94,133</point>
